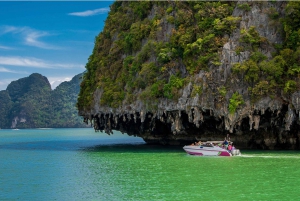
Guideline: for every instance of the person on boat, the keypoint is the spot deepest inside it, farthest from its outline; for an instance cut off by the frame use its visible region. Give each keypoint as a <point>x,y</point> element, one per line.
<point>232,148</point>
<point>228,138</point>
<point>229,147</point>
<point>225,143</point>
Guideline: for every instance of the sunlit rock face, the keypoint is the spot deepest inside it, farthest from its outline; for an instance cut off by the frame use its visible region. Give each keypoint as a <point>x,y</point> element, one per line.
<point>267,123</point>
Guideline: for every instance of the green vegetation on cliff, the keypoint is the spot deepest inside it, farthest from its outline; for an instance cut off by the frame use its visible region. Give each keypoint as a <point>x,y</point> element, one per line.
<point>281,73</point>
<point>150,50</point>
<point>31,98</point>
<point>141,51</point>
<point>5,107</point>
<point>30,103</point>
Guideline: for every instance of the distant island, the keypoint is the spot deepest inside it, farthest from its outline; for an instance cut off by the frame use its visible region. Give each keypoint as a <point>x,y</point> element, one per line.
<point>31,103</point>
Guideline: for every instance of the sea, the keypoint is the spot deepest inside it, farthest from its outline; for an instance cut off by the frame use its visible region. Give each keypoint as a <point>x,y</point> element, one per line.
<point>80,164</point>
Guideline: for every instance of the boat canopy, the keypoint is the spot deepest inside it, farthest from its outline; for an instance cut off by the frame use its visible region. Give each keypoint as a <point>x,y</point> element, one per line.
<point>214,142</point>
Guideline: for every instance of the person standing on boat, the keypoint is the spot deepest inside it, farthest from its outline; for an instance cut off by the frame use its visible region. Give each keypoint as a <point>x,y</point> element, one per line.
<point>228,138</point>
<point>229,147</point>
<point>225,143</point>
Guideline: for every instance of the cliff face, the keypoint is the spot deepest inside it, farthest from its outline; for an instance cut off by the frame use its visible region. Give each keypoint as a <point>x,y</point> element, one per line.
<point>5,107</point>
<point>30,103</point>
<point>249,88</point>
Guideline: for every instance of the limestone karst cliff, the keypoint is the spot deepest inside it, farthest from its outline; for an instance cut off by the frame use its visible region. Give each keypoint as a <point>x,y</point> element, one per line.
<point>176,72</point>
<point>31,103</point>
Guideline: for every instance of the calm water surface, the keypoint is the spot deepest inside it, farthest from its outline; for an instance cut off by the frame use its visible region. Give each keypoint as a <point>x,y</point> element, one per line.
<point>79,164</point>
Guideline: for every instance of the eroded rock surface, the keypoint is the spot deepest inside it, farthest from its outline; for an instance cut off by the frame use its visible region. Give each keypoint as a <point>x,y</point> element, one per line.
<point>269,123</point>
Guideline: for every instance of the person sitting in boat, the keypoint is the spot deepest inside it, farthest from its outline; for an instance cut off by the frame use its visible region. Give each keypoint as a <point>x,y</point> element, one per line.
<point>232,148</point>
<point>229,147</point>
<point>225,143</point>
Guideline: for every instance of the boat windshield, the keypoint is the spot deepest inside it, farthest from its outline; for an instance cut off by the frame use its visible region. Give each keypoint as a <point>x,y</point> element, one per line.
<point>207,145</point>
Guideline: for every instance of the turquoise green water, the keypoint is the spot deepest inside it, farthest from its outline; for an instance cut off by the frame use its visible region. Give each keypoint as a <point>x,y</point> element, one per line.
<point>79,164</point>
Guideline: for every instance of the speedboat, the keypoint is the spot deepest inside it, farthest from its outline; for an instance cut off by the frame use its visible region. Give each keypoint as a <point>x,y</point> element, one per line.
<point>209,149</point>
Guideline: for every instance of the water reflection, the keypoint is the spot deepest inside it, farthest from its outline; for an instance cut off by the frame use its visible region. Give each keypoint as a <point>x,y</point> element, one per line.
<point>70,145</point>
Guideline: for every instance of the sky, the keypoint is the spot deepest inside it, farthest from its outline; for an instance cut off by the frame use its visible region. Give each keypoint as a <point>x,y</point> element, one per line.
<point>52,38</point>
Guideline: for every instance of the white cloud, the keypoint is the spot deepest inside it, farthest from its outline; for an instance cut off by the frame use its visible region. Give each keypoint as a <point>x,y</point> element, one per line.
<point>34,63</point>
<point>55,81</point>
<point>90,12</point>
<point>5,70</point>
<point>5,47</point>
<point>30,36</point>
<point>32,39</point>
<point>10,29</point>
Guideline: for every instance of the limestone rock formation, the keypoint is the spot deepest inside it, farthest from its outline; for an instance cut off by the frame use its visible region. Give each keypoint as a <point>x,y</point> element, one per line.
<point>228,102</point>
<point>31,103</point>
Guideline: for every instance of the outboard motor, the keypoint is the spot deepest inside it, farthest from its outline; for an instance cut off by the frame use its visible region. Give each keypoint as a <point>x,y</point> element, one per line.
<point>236,152</point>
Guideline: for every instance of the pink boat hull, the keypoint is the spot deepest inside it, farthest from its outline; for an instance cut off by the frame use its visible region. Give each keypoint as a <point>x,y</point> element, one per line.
<point>206,151</point>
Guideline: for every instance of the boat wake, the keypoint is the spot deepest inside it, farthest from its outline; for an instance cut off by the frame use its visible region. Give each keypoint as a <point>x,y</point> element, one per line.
<point>265,156</point>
